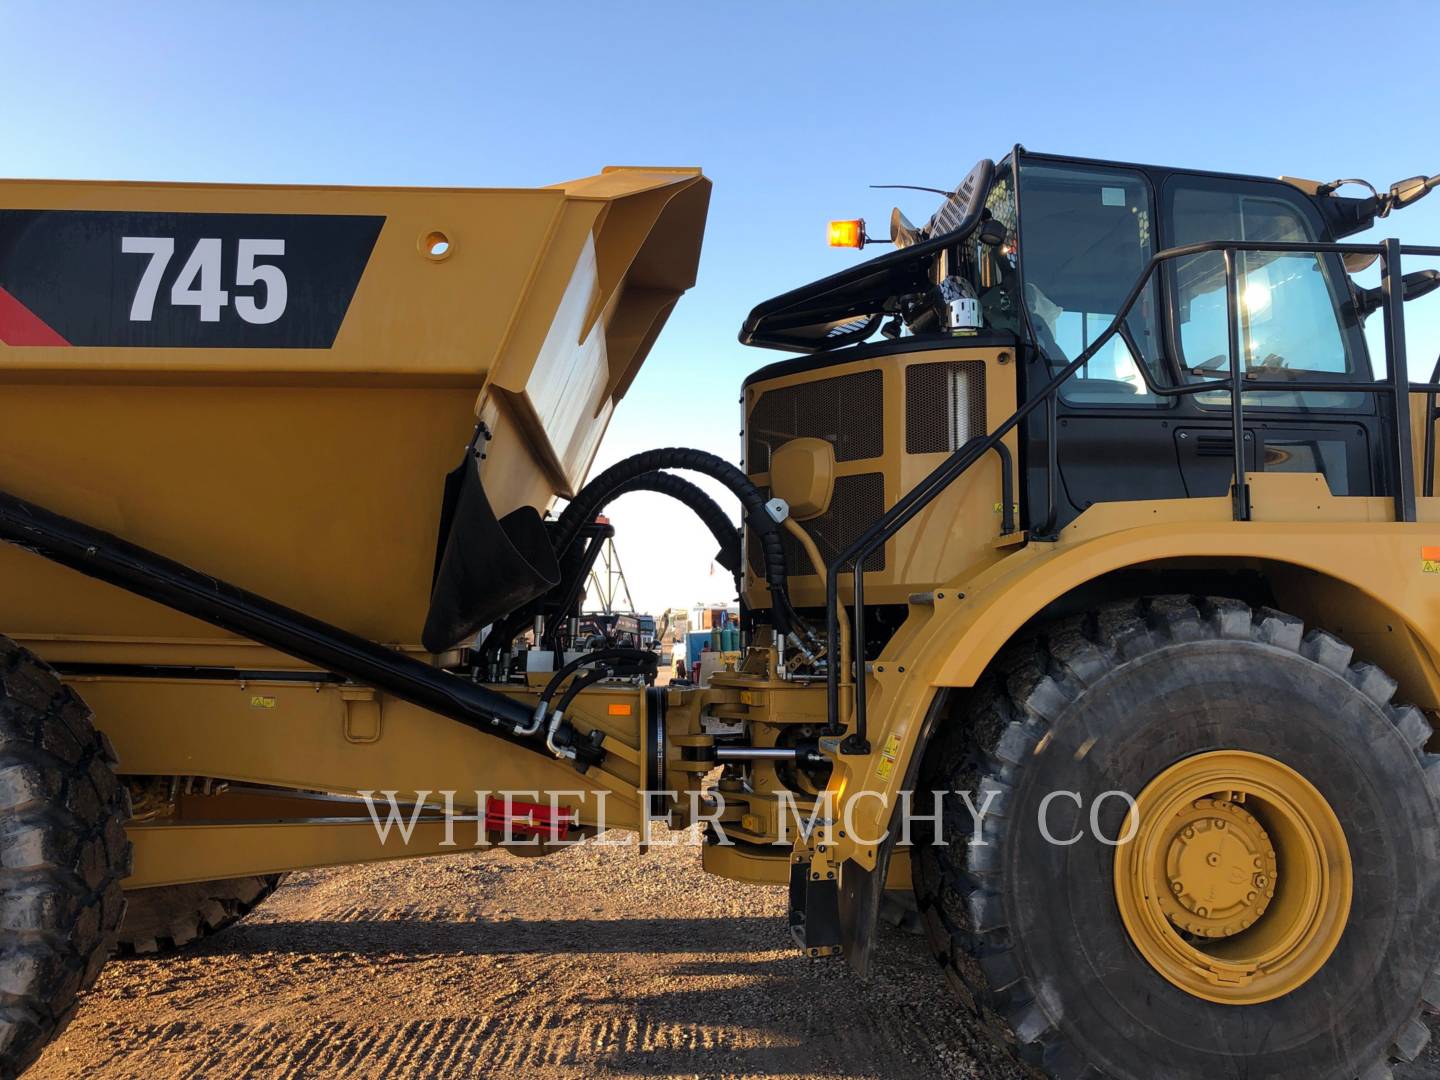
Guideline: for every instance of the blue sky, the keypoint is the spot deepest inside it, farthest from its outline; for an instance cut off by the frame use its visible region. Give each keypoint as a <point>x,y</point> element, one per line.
<point>791,108</point>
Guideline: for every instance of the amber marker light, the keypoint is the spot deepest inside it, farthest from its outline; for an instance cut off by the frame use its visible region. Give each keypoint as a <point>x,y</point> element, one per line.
<point>847,234</point>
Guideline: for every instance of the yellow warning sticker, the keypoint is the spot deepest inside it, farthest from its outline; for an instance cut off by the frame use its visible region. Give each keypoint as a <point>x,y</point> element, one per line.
<point>262,701</point>
<point>1430,560</point>
<point>889,753</point>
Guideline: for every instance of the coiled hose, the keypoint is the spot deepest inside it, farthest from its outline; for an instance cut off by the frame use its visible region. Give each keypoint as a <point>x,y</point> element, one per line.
<point>676,487</point>
<point>599,491</point>
<point>705,508</point>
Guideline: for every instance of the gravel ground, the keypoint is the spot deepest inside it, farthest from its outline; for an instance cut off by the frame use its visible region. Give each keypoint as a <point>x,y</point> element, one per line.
<point>590,962</point>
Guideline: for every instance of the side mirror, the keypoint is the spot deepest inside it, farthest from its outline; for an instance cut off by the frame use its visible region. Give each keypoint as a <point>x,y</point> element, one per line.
<point>1405,192</point>
<point>1420,283</point>
<point>1412,286</point>
<point>902,233</point>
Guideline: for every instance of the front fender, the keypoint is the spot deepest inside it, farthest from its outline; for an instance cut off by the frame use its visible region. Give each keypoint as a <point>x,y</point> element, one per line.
<point>950,643</point>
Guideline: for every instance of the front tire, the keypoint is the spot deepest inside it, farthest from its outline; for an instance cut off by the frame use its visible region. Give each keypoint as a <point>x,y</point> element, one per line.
<point>63,854</point>
<point>1111,701</point>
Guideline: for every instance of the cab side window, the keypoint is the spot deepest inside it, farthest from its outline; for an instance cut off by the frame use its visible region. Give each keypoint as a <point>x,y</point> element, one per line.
<point>1293,318</point>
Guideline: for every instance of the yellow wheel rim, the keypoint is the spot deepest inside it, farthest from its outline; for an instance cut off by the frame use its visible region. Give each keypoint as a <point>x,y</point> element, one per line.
<point>1234,880</point>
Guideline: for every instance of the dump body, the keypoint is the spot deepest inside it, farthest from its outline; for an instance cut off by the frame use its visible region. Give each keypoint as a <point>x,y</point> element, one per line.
<point>271,383</point>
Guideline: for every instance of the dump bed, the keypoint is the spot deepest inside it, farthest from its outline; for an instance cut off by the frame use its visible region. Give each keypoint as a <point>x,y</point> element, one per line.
<point>271,383</point>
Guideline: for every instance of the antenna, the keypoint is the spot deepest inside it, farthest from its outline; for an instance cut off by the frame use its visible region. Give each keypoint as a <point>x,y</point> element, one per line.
<point>913,187</point>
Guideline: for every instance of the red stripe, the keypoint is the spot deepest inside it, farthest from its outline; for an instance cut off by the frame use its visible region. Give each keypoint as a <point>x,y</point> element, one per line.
<point>21,326</point>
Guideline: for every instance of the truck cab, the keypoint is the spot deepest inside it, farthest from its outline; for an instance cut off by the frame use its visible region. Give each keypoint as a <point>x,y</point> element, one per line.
<point>1087,231</point>
<point>1060,243</point>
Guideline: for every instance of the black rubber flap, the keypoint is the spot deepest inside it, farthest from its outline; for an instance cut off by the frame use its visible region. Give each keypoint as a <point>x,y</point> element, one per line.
<point>487,568</point>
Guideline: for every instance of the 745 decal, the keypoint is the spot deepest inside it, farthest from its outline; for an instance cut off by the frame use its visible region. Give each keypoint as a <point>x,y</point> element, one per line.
<point>135,279</point>
<point>198,284</point>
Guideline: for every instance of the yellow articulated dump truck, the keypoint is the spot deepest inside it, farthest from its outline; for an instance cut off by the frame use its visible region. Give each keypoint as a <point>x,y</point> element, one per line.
<point>1089,578</point>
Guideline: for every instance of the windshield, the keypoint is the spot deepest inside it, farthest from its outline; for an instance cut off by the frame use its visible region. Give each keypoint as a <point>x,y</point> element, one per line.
<point>1086,236</point>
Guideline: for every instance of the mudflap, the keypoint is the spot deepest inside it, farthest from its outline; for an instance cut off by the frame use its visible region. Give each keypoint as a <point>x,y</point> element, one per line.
<point>485,568</point>
<point>859,908</point>
<point>814,907</point>
<point>860,890</point>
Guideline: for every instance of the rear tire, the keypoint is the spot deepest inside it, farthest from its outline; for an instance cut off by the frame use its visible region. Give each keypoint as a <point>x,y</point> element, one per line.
<point>63,854</point>
<point>1108,702</point>
<point>170,917</point>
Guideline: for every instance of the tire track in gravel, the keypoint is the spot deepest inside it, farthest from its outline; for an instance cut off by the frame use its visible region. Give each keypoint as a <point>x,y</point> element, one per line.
<point>593,962</point>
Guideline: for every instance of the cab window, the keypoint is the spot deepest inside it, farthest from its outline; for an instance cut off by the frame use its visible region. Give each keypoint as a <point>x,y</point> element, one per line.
<point>1292,320</point>
<point>1086,237</point>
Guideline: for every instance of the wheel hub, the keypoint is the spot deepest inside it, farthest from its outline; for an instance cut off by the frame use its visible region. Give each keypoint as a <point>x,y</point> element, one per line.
<point>1220,868</point>
<point>1236,882</point>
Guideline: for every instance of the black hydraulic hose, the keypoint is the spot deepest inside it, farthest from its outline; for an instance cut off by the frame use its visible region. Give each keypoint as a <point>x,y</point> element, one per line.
<point>598,491</point>
<point>580,683</point>
<point>607,662</point>
<point>638,656</point>
<point>108,558</point>
<point>677,487</point>
<point>573,572</point>
<point>706,509</point>
<point>562,732</point>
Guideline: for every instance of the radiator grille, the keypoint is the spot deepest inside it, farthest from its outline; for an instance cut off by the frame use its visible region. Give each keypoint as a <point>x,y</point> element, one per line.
<point>944,406</point>
<point>844,411</point>
<point>856,505</point>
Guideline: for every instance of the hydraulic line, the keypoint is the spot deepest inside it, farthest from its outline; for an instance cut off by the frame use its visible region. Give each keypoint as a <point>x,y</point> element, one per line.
<point>640,657</point>
<point>607,663</point>
<point>595,494</point>
<point>812,552</point>
<point>678,488</point>
<point>705,508</point>
<point>557,718</point>
<point>580,683</point>
<point>146,573</point>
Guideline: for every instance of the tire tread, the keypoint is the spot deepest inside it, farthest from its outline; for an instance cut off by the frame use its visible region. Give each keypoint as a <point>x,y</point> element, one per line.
<point>63,851</point>
<point>1011,711</point>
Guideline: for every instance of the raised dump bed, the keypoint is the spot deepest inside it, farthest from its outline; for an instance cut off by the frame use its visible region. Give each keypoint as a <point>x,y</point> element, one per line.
<point>272,383</point>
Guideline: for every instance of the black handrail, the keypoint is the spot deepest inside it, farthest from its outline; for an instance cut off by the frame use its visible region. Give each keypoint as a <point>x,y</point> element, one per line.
<point>1430,417</point>
<point>944,474</point>
<point>1007,489</point>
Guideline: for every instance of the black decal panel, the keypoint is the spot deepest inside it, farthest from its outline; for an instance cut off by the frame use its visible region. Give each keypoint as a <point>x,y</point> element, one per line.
<point>180,280</point>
